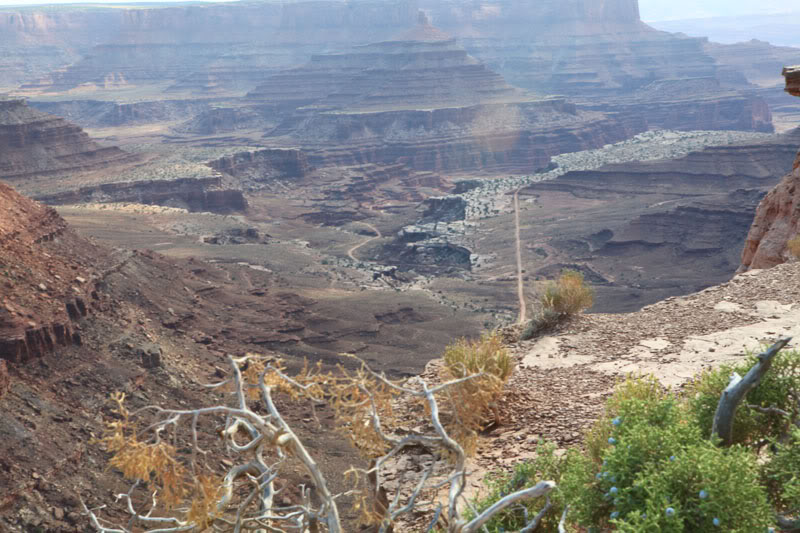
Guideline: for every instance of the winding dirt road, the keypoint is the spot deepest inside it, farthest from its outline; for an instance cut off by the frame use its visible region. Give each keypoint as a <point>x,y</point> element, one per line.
<point>520,287</point>
<point>351,252</point>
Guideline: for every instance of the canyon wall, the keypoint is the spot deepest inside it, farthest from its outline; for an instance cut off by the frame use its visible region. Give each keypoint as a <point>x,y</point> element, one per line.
<point>264,165</point>
<point>35,143</point>
<point>47,283</point>
<point>777,219</point>
<point>643,231</point>
<point>194,194</point>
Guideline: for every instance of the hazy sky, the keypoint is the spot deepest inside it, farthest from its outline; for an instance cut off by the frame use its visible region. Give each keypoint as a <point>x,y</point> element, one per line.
<point>651,9</point>
<point>686,9</point>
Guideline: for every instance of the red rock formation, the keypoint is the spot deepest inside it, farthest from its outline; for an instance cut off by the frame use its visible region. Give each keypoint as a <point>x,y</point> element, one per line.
<point>792,75</point>
<point>777,218</point>
<point>45,280</point>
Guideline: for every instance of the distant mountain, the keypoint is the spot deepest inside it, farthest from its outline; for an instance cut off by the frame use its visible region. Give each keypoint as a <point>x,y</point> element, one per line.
<point>777,29</point>
<point>660,10</point>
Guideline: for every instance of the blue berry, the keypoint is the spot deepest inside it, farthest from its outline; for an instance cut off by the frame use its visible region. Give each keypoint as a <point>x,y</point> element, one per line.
<point>599,475</point>
<point>672,458</point>
<point>715,522</point>
<point>613,490</point>
<point>612,440</point>
<point>617,421</point>
<point>670,511</point>
<point>703,495</point>
<point>614,515</point>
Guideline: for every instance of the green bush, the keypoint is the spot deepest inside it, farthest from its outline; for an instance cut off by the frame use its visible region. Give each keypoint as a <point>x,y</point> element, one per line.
<point>781,475</point>
<point>648,427</point>
<point>648,465</point>
<point>547,465</point>
<point>700,488</point>
<point>775,390</point>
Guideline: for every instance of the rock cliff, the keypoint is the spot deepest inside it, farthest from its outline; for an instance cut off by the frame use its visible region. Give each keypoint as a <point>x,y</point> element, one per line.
<point>576,48</point>
<point>196,48</point>
<point>429,105</point>
<point>652,229</point>
<point>47,279</point>
<point>33,143</point>
<point>194,194</point>
<point>266,165</point>
<point>792,75</point>
<point>777,218</point>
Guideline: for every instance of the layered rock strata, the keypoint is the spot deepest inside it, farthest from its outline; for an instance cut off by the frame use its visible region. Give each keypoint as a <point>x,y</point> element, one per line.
<point>601,50</point>
<point>429,105</point>
<point>194,194</point>
<point>46,292</point>
<point>98,114</point>
<point>198,49</point>
<point>647,230</point>
<point>264,165</point>
<point>777,219</point>
<point>692,104</point>
<point>35,143</point>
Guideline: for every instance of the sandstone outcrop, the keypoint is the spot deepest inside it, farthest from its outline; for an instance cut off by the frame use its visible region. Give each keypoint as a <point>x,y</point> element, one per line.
<point>444,209</point>
<point>777,218</point>
<point>759,61</point>
<point>264,165</point>
<point>194,194</point>
<point>200,49</point>
<point>596,51</point>
<point>792,75</point>
<point>96,113</point>
<point>45,289</point>
<point>33,143</point>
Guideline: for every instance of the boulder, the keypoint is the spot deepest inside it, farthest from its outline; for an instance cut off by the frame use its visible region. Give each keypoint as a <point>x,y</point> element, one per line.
<point>150,355</point>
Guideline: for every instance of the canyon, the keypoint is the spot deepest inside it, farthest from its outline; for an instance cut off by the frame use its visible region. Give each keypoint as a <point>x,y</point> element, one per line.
<point>305,180</point>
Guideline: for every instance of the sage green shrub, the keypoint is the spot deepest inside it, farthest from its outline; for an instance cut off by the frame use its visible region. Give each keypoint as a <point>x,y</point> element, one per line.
<point>751,427</point>
<point>648,465</point>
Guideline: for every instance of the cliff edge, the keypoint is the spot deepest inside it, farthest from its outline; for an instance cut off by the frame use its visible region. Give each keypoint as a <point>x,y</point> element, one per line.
<point>777,218</point>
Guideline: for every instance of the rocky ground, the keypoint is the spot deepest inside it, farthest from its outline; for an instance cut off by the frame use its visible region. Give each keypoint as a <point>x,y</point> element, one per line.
<point>561,380</point>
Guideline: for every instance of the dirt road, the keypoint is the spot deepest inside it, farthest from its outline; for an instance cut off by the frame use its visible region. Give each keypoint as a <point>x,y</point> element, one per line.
<point>351,252</point>
<point>520,286</point>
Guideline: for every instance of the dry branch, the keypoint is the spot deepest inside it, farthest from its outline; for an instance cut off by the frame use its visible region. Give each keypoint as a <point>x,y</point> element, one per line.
<point>738,388</point>
<point>243,498</point>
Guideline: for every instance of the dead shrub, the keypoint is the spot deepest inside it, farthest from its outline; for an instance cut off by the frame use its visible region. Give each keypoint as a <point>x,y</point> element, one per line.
<point>794,246</point>
<point>473,400</point>
<point>562,299</point>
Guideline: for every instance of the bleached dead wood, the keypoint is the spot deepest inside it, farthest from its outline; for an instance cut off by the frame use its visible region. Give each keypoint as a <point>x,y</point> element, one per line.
<point>246,499</point>
<point>738,388</point>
